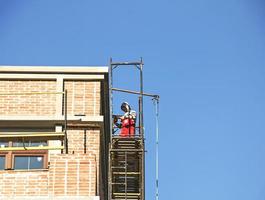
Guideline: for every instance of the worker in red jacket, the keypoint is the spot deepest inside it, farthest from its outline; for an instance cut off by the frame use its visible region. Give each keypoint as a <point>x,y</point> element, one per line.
<point>127,121</point>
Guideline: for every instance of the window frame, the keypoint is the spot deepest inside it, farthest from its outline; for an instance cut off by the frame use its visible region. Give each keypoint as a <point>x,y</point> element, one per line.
<point>10,156</point>
<point>42,153</point>
<point>4,154</point>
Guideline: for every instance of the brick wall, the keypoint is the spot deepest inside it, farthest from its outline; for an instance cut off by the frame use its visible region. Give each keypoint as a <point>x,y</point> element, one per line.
<point>23,183</point>
<point>73,175</point>
<point>83,140</point>
<point>27,104</point>
<point>70,176</point>
<point>83,97</point>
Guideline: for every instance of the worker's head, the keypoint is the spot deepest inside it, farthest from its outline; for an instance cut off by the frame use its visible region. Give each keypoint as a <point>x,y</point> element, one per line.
<point>125,107</point>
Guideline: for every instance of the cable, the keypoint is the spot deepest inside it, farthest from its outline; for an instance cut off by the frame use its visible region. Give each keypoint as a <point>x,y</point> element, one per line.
<point>156,104</point>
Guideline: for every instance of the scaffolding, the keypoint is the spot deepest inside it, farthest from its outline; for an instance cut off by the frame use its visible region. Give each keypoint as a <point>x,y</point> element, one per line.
<point>127,154</point>
<point>62,136</point>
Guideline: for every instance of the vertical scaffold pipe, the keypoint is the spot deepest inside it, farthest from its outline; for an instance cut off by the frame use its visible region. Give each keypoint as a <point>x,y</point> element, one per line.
<point>65,122</point>
<point>111,96</point>
<point>142,128</point>
<point>110,129</point>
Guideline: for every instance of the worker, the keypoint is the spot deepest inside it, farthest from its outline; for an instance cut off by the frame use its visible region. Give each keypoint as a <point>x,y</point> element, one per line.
<point>127,121</point>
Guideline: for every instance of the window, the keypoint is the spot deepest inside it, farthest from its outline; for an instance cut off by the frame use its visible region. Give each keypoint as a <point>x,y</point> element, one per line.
<point>2,162</point>
<point>3,144</point>
<point>29,143</point>
<point>23,159</point>
<point>28,162</point>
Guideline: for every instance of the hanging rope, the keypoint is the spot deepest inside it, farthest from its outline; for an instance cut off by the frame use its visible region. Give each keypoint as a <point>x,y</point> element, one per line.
<point>156,105</point>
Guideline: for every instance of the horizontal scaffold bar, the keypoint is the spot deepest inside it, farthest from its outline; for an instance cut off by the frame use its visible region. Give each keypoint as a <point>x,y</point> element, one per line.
<point>32,148</point>
<point>128,194</point>
<point>128,173</point>
<point>126,150</point>
<point>31,134</point>
<point>126,63</point>
<point>135,92</point>
<point>135,138</point>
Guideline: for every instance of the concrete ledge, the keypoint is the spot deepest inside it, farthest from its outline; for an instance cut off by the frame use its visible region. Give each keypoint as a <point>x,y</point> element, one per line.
<point>40,76</point>
<point>54,69</point>
<point>98,118</point>
<point>45,121</point>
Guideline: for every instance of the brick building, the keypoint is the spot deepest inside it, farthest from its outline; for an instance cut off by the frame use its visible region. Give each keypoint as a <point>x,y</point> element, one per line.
<point>53,136</point>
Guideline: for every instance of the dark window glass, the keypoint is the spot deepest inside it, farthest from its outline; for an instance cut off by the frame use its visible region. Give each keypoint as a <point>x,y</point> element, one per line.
<point>37,143</point>
<point>2,162</point>
<point>29,143</point>
<point>20,144</point>
<point>3,144</point>
<point>28,162</point>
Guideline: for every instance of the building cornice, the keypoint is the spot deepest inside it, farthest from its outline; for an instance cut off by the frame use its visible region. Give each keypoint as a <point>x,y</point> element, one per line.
<point>54,69</point>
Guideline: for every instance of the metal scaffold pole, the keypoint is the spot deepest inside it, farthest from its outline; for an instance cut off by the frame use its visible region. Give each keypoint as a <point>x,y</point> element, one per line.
<point>142,126</point>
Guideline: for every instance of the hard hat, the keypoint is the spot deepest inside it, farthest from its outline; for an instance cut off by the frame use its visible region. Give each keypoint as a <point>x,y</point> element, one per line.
<point>125,107</point>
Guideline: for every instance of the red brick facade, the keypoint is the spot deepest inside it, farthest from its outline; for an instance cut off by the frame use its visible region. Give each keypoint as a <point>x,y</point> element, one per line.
<point>27,104</point>
<point>83,97</point>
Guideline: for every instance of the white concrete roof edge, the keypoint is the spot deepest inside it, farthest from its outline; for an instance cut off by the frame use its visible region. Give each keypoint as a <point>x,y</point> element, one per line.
<point>54,69</point>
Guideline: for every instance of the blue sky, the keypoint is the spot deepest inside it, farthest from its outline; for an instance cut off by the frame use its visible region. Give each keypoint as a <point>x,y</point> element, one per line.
<point>205,58</point>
